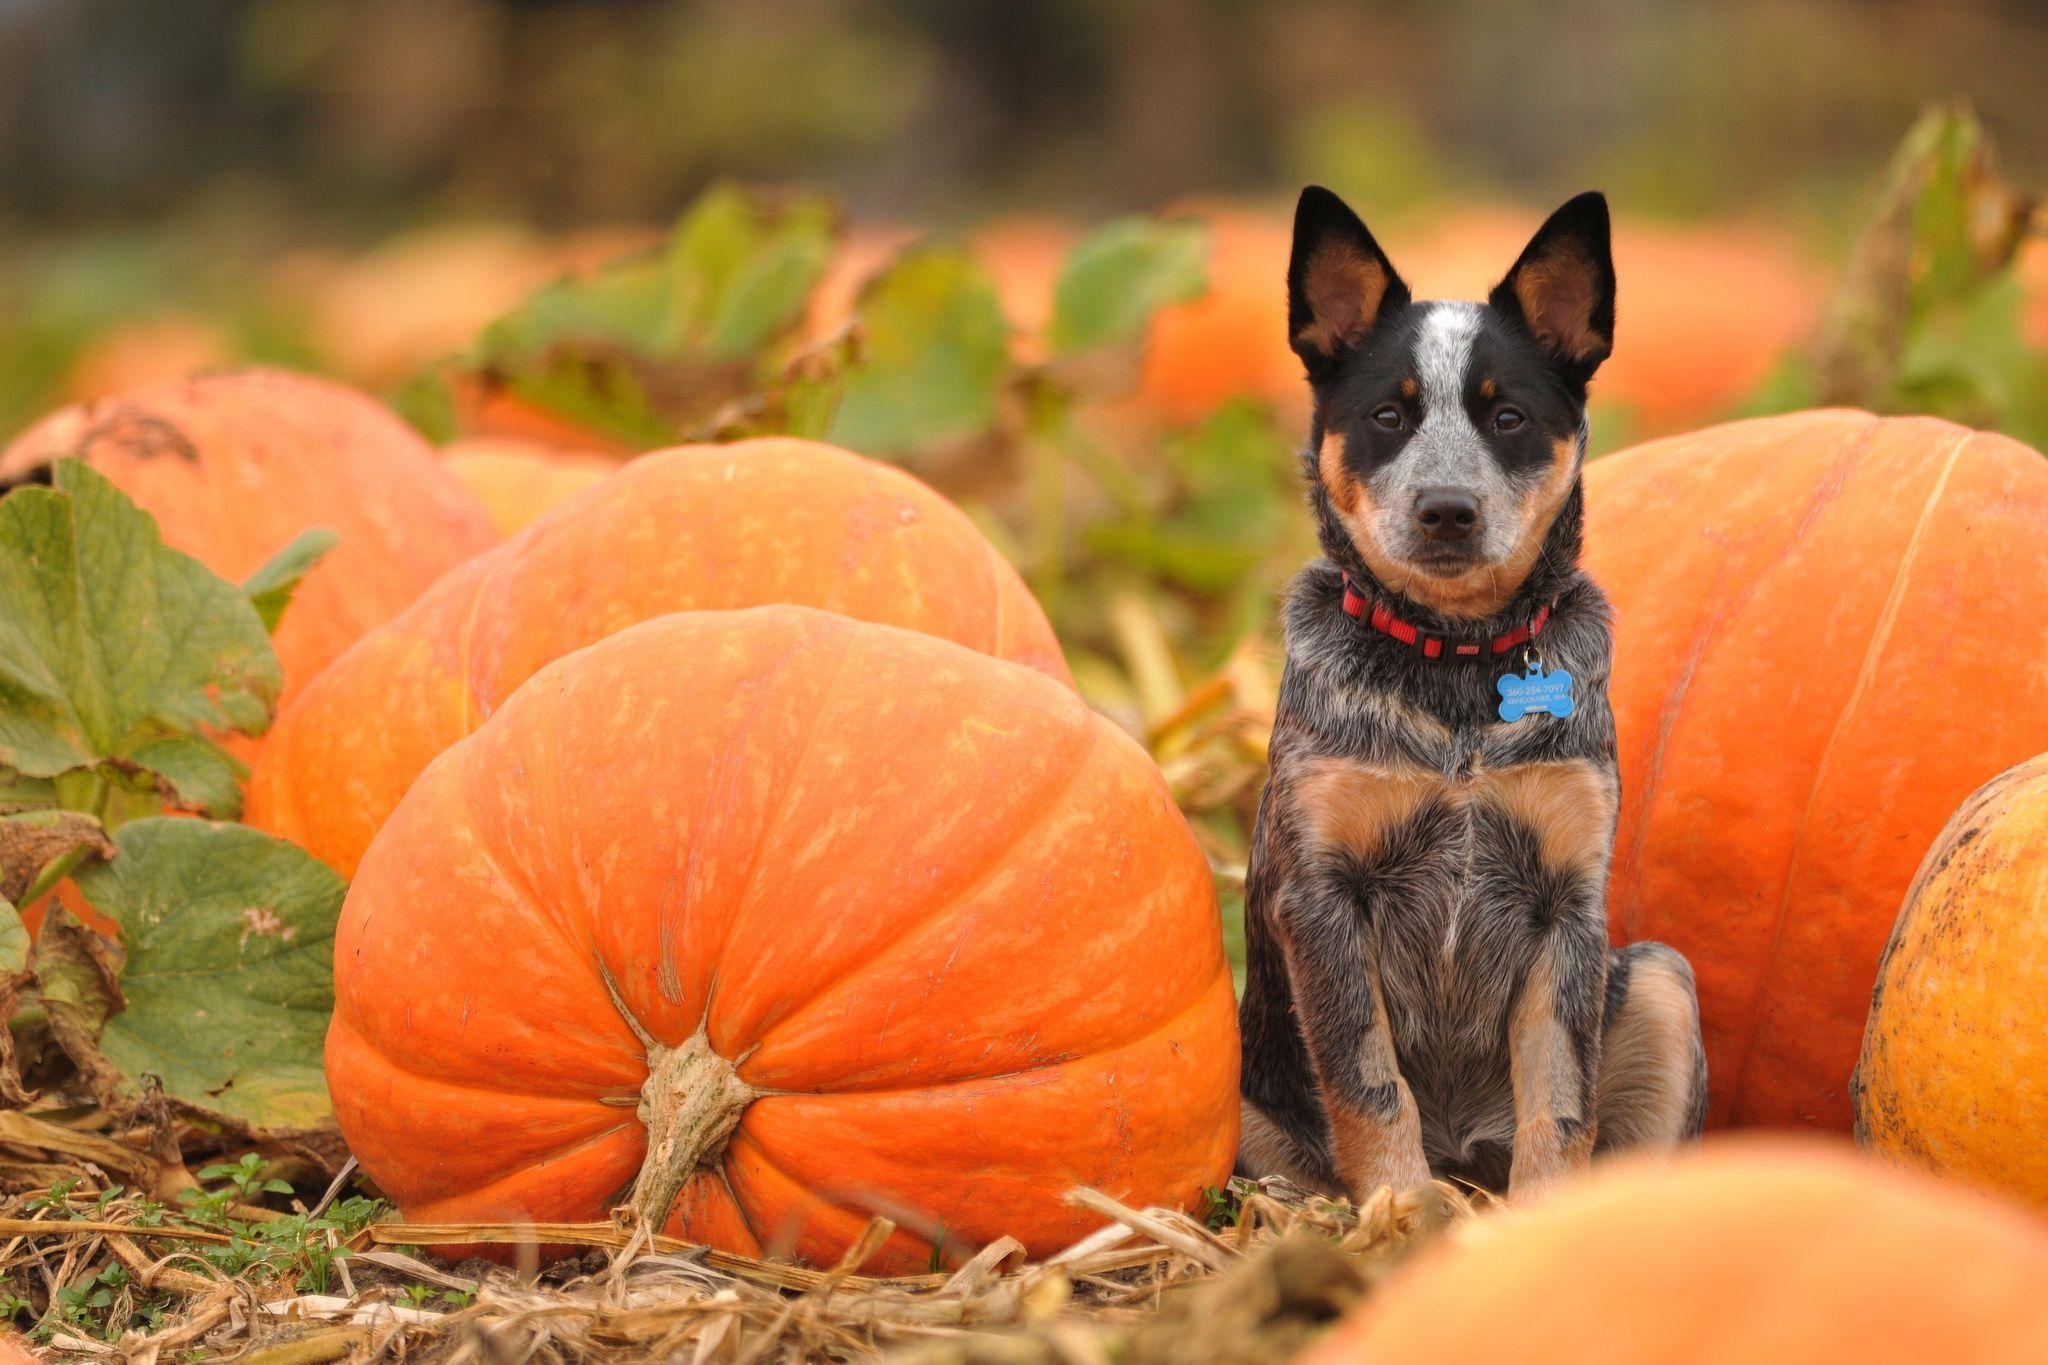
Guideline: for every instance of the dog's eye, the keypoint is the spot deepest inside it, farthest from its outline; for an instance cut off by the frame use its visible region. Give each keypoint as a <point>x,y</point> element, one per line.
<point>1508,419</point>
<point>1388,416</point>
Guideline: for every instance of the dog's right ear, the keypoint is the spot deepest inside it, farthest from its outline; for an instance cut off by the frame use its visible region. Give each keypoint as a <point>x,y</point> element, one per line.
<point>1339,282</point>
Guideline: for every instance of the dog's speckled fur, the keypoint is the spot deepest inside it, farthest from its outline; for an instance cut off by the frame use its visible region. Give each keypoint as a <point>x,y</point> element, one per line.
<point>1429,985</point>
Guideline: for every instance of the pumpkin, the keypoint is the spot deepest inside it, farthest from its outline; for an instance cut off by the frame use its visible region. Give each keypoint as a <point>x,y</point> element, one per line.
<point>1708,311</point>
<point>234,466</point>
<point>1772,1251</point>
<point>861,920</point>
<point>421,297</point>
<point>1232,341</point>
<point>698,527</point>
<point>1954,1075</point>
<point>146,351</point>
<point>519,481</point>
<point>2033,274</point>
<point>1821,646</point>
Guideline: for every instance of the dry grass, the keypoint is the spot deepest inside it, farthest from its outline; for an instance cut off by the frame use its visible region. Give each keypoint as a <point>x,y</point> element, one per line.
<point>1151,1285</point>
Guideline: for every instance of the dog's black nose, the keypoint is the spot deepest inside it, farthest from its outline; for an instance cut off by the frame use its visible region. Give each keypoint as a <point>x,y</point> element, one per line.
<point>1447,513</point>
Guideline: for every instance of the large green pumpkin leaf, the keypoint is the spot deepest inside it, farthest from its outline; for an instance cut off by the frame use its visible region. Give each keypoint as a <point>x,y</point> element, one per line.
<point>195,774</point>
<point>934,356</point>
<point>109,637</point>
<point>229,973</point>
<point>1118,276</point>
<point>658,347</point>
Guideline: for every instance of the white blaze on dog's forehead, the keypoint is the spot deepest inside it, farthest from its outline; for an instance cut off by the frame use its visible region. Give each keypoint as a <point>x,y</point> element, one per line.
<point>1443,354</point>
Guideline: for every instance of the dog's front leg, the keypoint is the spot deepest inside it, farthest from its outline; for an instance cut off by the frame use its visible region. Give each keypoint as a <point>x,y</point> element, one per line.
<point>1554,1046</point>
<point>1375,1130</point>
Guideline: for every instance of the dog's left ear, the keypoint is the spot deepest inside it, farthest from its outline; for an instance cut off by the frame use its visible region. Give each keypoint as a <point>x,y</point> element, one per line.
<point>1562,288</point>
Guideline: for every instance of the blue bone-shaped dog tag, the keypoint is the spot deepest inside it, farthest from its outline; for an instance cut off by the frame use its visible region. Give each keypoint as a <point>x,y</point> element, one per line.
<point>1539,691</point>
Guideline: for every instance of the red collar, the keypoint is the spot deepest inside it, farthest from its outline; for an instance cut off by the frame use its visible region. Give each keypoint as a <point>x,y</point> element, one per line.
<point>1435,645</point>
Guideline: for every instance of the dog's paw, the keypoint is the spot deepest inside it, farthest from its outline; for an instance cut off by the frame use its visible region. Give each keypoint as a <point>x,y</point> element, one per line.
<point>1397,1174</point>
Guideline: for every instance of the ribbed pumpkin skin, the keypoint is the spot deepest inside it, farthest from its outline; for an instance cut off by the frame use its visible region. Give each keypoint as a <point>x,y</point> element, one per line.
<point>1751,1252</point>
<point>234,466</point>
<point>1825,631</point>
<point>690,529</point>
<point>519,482</point>
<point>1954,1075</point>
<point>950,915</point>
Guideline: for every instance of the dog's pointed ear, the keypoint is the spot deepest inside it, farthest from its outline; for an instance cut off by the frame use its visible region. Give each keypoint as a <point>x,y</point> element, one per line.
<point>1562,288</point>
<point>1339,282</point>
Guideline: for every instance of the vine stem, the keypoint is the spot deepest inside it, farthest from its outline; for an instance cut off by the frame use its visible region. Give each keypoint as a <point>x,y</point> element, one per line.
<point>691,1103</point>
<point>55,871</point>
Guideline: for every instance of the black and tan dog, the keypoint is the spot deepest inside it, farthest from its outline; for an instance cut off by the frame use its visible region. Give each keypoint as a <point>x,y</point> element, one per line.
<point>1429,986</point>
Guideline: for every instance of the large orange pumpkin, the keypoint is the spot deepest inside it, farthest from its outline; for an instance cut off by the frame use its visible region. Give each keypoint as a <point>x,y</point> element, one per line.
<point>518,482</point>
<point>234,466</point>
<point>1826,635</point>
<point>861,920</point>
<point>1750,1252</point>
<point>1954,1075</point>
<point>698,527</point>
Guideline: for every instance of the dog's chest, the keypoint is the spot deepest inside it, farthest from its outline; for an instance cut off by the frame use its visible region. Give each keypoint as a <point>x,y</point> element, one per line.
<point>1455,857</point>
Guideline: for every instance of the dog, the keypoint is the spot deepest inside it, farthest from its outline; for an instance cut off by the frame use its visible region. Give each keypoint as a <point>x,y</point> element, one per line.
<point>1429,988</point>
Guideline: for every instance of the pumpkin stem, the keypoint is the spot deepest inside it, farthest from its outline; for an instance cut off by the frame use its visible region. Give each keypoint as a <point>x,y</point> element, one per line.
<point>691,1103</point>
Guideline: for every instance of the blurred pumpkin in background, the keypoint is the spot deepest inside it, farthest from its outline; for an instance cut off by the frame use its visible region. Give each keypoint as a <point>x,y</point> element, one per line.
<point>1232,341</point>
<point>378,318</point>
<point>147,351</point>
<point>1705,311</point>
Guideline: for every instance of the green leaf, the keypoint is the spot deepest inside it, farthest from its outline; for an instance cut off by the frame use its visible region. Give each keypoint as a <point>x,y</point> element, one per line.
<point>201,776</point>
<point>77,978</point>
<point>31,842</point>
<point>1234,506</point>
<point>657,347</point>
<point>1926,316</point>
<point>229,978</point>
<point>1120,275</point>
<point>426,399</point>
<point>743,269</point>
<point>935,352</point>
<point>17,791</point>
<point>13,940</point>
<point>113,638</point>
<point>271,587</point>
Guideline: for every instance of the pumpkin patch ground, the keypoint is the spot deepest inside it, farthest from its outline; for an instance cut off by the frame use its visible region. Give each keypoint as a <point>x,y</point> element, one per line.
<point>639,649</point>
